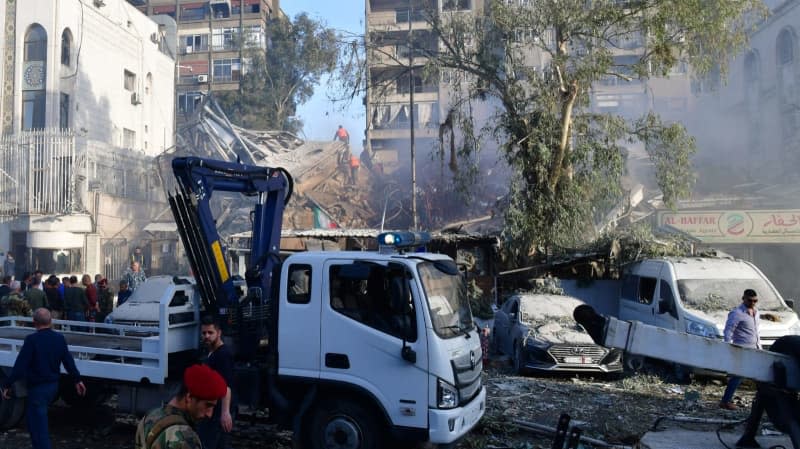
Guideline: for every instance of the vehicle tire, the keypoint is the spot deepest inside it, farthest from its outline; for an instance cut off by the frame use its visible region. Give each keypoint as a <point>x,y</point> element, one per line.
<point>518,360</point>
<point>11,410</point>
<point>96,394</point>
<point>343,424</point>
<point>633,363</point>
<point>681,374</point>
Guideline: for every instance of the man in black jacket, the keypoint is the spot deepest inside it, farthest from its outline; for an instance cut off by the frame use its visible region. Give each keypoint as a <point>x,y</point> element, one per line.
<point>39,363</point>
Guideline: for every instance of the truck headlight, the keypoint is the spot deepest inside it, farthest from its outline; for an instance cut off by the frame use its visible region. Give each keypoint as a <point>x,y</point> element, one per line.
<point>446,395</point>
<point>703,330</point>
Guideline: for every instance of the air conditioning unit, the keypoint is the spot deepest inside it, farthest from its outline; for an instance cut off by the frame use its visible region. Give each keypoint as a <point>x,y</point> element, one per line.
<point>135,99</point>
<point>202,78</point>
<point>189,49</point>
<point>155,38</point>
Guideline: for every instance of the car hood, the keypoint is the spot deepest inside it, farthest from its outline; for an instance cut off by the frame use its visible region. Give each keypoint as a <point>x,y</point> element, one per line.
<point>136,311</point>
<point>558,330</point>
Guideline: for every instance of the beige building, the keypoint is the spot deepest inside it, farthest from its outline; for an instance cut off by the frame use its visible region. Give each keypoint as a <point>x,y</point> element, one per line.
<point>209,46</point>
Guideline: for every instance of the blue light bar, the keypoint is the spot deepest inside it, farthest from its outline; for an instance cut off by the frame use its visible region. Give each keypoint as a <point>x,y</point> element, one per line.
<point>403,239</point>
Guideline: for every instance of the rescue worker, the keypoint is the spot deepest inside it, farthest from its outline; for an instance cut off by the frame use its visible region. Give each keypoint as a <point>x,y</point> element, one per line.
<point>172,425</point>
<point>354,165</point>
<point>342,135</point>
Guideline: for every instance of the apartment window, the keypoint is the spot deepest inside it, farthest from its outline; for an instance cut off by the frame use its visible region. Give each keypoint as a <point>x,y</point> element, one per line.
<point>189,13</point>
<point>254,36</point>
<point>34,78</point>
<point>63,111</point>
<point>785,47</point>
<point>195,42</point>
<point>226,70</point>
<point>221,10</point>
<point>188,102</point>
<point>224,38</point>
<point>456,5</point>
<point>403,86</point>
<point>66,44</point>
<point>128,138</point>
<point>130,81</point>
<point>403,15</point>
<point>751,68</point>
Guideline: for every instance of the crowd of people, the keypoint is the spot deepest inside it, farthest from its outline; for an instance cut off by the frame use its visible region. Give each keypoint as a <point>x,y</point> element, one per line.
<point>85,299</point>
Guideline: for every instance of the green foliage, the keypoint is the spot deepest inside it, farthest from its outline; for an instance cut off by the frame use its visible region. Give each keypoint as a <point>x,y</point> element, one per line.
<point>299,53</point>
<point>568,161</point>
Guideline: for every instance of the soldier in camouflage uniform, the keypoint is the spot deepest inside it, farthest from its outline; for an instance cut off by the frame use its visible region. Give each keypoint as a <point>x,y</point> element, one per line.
<point>172,426</point>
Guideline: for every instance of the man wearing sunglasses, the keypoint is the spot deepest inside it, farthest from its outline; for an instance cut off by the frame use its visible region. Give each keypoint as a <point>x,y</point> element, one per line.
<point>741,329</point>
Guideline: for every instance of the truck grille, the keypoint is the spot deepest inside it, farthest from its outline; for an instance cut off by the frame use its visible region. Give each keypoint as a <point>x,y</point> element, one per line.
<point>467,369</point>
<point>589,353</point>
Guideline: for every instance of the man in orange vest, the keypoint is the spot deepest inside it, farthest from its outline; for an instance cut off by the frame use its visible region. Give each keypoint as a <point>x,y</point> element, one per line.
<point>342,135</point>
<point>354,164</point>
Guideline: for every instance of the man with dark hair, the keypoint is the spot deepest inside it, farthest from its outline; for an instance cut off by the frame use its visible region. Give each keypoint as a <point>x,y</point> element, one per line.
<point>741,329</point>
<point>39,275</point>
<point>214,432</point>
<point>172,425</point>
<point>124,292</point>
<point>39,362</point>
<point>75,302</point>
<point>35,295</point>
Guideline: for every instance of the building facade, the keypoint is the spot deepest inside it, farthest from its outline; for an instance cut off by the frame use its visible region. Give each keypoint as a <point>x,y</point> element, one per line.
<point>211,36</point>
<point>85,106</point>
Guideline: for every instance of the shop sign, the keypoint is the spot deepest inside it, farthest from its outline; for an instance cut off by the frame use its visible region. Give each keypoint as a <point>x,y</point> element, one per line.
<point>736,226</point>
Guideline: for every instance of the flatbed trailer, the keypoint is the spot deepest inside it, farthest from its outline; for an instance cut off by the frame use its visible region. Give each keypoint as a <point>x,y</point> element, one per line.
<point>132,361</point>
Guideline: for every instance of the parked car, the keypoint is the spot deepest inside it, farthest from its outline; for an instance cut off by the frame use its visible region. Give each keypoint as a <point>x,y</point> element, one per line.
<point>539,334</point>
<point>142,308</point>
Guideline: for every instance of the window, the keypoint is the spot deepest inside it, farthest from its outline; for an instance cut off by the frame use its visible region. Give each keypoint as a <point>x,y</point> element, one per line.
<point>226,70</point>
<point>193,13</point>
<point>188,102</point>
<point>66,44</point>
<point>195,42</point>
<point>403,86</point>
<point>375,295</point>
<point>254,36</point>
<point>647,290</point>
<point>455,5</point>
<point>299,284</point>
<point>224,38</point>
<point>128,138</point>
<point>34,78</point>
<point>63,109</point>
<point>130,80</point>
<point>751,68</point>
<point>402,16</point>
<point>785,47</point>
<point>667,301</point>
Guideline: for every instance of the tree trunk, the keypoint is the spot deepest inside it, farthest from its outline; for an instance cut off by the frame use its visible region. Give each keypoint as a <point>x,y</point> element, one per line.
<point>559,166</point>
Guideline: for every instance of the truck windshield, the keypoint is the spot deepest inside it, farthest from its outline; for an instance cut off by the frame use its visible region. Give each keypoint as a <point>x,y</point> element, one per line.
<point>447,300</point>
<point>714,295</point>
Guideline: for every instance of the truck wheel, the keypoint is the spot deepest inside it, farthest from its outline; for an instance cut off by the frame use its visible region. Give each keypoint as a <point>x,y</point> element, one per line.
<point>344,425</point>
<point>96,394</point>
<point>11,411</point>
<point>633,363</point>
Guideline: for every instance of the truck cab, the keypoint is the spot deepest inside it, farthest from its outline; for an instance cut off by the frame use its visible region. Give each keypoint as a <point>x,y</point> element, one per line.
<point>695,294</point>
<point>395,338</point>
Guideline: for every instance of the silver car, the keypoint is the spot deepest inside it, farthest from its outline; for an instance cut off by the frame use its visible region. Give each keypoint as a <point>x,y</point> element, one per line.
<point>539,334</point>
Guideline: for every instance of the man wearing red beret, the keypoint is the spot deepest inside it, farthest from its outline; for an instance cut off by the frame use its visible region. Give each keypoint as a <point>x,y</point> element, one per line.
<point>172,426</point>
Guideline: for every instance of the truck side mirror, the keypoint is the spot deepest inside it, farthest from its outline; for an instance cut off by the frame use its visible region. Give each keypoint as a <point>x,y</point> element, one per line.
<point>790,303</point>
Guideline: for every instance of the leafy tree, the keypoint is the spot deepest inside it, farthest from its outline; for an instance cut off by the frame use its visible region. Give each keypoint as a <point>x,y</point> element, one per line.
<point>299,53</point>
<point>568,160</point>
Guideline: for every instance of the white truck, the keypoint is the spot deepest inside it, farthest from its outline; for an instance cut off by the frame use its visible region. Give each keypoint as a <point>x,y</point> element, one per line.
<point>695,294</point>
<point>347,349</point>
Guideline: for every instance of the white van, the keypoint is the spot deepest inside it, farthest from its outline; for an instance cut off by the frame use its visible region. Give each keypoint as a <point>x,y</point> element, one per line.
<point>695,294</point>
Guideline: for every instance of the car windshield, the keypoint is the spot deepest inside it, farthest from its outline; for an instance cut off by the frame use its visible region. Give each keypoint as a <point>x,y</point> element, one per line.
<point>447,300</point>
<point>150,291</point>
<point>714,295</point>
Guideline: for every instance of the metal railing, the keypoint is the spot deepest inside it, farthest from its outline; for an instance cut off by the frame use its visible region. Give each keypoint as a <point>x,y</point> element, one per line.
<point>38,172</point>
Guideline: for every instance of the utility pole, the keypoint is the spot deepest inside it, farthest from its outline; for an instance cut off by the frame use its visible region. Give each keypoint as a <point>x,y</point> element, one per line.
<point>411,115</point>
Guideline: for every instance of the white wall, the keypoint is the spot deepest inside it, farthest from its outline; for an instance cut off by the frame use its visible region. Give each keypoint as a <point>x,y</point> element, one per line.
<point>106,41</point>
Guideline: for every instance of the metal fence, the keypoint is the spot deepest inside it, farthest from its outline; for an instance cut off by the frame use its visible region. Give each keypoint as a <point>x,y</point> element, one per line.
<point>38,171</point>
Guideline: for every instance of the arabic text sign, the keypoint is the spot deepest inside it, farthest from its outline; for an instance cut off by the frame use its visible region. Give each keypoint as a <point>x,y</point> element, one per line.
<point>742,226</point>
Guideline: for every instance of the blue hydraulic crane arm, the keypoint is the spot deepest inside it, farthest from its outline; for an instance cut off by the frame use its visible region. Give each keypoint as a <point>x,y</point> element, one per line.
<point>198,178</point>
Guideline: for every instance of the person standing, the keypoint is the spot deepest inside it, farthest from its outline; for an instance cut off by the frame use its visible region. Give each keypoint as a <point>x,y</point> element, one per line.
<point>55,298</point>
<point>9,265</point>
<point>39,363</point>
<point>91,298</point>
<point>354,166</point>
<point>134,276</point>
<point>105,300</point>
<point>214,432</point>
<point>35,295</point>
<point>741,329</point>
<point>172,425</point>
<point>75,302</point>
<point>124,292</point>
